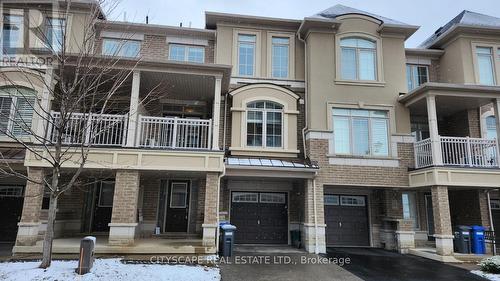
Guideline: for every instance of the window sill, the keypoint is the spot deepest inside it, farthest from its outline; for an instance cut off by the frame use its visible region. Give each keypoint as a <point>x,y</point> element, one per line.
<point>263,152</point>
<point>360,83</point>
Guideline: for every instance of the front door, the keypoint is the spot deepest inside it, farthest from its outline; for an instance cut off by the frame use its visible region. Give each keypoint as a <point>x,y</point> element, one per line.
<point>430,216</point>
<point>346,218</point>
<point>260,217</point>
<point>176,219</point>
<point>11,207</point>
<point>103,206</point>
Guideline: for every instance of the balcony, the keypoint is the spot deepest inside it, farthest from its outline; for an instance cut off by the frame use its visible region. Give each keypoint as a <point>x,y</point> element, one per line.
<point>457,152</point>
<point>153,132</point>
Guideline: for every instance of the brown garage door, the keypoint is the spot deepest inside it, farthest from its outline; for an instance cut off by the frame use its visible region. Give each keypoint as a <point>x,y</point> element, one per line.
<point>261,217</point>
<point>346,218</point>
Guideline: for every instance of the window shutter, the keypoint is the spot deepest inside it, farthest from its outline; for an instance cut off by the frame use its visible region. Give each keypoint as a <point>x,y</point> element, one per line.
<point>5,106</point>
<point>23,116</point>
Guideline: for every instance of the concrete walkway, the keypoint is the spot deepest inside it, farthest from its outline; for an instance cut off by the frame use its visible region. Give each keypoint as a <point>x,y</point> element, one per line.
<point>287,265</point>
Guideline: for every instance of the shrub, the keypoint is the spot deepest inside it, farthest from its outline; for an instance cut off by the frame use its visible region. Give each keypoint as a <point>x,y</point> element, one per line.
<point>490,265</point>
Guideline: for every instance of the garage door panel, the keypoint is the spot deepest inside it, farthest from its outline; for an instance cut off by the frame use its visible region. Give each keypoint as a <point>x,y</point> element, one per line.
<point>347,225</point>
<point>262,221</point>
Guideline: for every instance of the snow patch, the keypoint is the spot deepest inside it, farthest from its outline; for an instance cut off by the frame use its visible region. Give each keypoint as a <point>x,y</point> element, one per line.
<point>489,276</point>
<point>106,269</point>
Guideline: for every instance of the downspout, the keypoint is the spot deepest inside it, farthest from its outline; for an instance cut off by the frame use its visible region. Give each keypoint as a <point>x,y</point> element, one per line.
<point>217,231</point>
<point>225,123</point>
<point>316,250</point>
<point>492,227</point>
<point>305,95</point>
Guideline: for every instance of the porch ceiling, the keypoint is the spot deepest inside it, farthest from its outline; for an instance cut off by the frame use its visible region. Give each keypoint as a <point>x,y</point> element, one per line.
<point>178,85</point>
<point>450,98</point>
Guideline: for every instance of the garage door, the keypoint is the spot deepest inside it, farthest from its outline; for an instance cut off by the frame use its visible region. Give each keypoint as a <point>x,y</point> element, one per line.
<point>346,218</point>
<point>261,217</point>
<point>495,214</point>
<point>11,207</point>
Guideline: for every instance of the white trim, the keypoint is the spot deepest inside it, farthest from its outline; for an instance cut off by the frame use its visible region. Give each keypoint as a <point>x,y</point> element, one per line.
<point>281,82</point>
<point>319,135</point>
<point>186,194</point>
<point>418,60</point>
<point>257,51</point>
<point>291,54</point>
<point>122,35</point>
<point>363,162</point>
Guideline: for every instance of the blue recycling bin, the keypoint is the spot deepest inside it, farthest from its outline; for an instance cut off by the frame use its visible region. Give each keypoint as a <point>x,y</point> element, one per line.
<point>477,237</point>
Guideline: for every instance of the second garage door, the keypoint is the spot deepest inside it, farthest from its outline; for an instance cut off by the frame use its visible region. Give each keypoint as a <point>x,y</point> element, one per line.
<point>346,219</point>
<point>261,217</point>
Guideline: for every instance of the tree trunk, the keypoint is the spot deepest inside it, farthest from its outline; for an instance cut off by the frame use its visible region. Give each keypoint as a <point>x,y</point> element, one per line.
<point>49,234</point>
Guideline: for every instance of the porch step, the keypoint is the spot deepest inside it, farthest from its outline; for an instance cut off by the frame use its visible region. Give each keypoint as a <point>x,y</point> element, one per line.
<point>430,253</point>
<point>178,236</point>
<point>470,258</point>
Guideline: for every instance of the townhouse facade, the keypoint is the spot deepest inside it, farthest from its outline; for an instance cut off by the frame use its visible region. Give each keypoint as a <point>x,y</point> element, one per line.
<point>327,128</point>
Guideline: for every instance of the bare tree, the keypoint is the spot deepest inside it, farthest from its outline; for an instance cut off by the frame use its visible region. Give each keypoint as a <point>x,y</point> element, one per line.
<point>85,88</point>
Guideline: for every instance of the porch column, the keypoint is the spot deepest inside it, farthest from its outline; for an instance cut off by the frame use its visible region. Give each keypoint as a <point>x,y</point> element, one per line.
<point>210,214</point>
<point>124,214</point>
<point>442,220</point>
<point>314,238</point>
<point>27,233</point>
<point>437,157</point>
<point>496,107</point>
<point>216,113</point>
<point>44,105</point>
<point>134,110</point>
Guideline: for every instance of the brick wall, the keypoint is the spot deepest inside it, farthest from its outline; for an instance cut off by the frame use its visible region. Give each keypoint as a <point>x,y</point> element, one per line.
<point>461,124</point>
<point>441,210</point>
<point>211,197</point>
<point>33,196</point>
<point>125,197</point>
<point>468,207</point>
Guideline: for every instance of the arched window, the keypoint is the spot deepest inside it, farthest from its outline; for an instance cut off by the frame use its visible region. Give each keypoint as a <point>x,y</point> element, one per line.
<point>491,127</point>
<point>358,59</point>
<point>264,124</point>
<point>16,110</point>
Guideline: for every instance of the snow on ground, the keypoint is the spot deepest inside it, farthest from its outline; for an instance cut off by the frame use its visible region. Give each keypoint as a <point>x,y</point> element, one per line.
<point>490,276</point>
<point>106,269</point>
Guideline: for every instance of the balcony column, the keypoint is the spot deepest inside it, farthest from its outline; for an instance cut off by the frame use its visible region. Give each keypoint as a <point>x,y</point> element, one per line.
<point>27,233</point>
<point>124,213</point>
<point>314,238</point>
<point>496,107</point>
<point>442,220</point>
<point>44,106</point>
<point>133,116</point>
<point>437,157</point>
<point>216,113</point>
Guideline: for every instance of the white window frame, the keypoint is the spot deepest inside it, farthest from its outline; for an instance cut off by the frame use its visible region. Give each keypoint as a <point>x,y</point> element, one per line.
<point>236,52</point>
<point>264,123</point>
<point>234,194</point>
<point>56,46</point>
<point>186,52</point>
<point>280,196</point>
<point>360,200</point>
<point>329,203</point>
<point>20,42</point>
<point>291,54</point>
<point>412,68</point>
<point>12,115</point>
<point>412,204</point>
<point>358,51</point>
<point>183,185</point>
<point>121,44</point>
<point>351,131</point>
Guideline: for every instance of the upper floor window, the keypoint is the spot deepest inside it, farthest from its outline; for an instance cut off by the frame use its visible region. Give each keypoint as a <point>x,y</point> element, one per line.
<point>485,65</point>
<point>16,110</point>
<point>12,33</point>
<point>246,54</point>
<point>358,59</point>
<point>121,47</point>
<point>416,75</point>
<point>491,127</point>
<point>55,33</point>
<point>361,132</point>
<point>264,124</point>
<point>280,56</point>
<point>186,53</point>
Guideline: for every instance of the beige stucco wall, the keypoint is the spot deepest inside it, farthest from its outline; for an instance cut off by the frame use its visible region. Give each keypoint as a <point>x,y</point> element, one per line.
<point>324,90</point>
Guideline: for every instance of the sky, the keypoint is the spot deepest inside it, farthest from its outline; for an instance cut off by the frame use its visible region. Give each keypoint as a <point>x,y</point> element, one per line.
<point>428,14</point>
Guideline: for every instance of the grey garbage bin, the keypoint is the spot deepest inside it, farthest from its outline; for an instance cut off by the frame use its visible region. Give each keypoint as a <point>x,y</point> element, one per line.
<point>87,245</point>
<point>228,232</point>
<point>462,239</point>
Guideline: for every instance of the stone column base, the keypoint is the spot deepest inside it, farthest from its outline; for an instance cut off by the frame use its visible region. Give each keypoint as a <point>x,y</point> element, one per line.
<point>309,238</point>
<point>405,240</point>
<point>121,234</point>
<point>27,233</point>
<point>209,233</point>
<point>444,244</point>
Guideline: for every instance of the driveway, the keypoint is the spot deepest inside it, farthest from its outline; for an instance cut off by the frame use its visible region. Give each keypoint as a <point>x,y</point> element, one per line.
<point>377,264</point>
<point>277,265</point>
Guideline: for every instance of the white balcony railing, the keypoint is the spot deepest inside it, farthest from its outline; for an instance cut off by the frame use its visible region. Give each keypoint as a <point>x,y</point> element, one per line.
<point>166,132</point>
<point>91,128</point>
<point>458,151</point>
